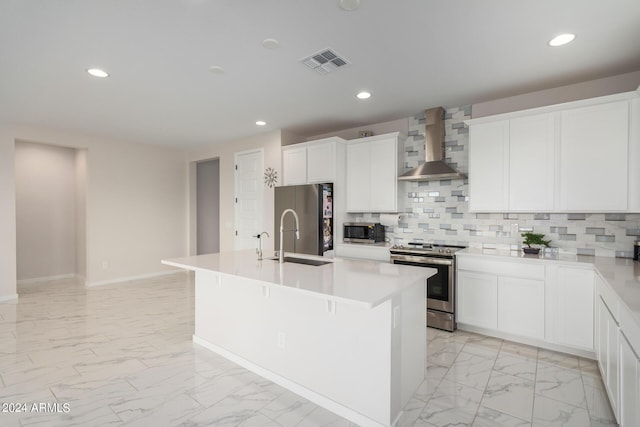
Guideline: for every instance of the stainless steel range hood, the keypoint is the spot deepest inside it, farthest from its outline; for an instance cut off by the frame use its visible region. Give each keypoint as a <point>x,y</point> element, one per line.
<point>434,167</point>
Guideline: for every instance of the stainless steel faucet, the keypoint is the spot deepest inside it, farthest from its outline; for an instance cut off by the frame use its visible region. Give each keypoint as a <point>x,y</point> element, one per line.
<point>295,215</point>
<point>259,249</point>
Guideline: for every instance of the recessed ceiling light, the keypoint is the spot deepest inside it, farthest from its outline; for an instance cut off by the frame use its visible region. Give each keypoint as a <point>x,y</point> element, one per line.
<point>363,95</point>
<point>562,39</point>
<point>97,72</point>
<point>261,123</point>
<point>270,43</point>
<point>348,5</point>
<point>216,69</point>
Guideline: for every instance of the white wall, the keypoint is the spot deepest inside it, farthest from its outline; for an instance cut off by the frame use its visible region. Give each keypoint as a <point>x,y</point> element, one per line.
<point>270,142</point>
<point>136,204</point>
<point>400,125</point>
<point>7,217</point>
<point>45,179</point>
<point>584,90</point>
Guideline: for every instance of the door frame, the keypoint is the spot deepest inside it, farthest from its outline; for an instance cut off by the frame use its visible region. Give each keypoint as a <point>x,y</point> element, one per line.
<point>236,155</point>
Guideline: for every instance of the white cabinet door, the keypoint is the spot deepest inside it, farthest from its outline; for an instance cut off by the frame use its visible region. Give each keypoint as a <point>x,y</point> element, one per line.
<point>613,367</point>
<point>383,176</point>
<point>531,163</point>
<point>489,167</point>
<point>573,307</point>
<point>521,306</point>
<point>478,299</point>
<point>601,336</point>
<point>629,385</point>
<point>294,166</point>
<point>372,174</point>
<point>608,353</point>
<point>321,161</point>
<point>358,169</point>
<point>593,158</point>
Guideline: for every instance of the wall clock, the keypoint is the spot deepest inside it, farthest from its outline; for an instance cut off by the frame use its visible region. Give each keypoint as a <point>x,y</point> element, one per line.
<point>270,177</point>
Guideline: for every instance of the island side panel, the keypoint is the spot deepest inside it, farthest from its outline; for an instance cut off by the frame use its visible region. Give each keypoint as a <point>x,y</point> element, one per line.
<point>413,347</point>
<point>341,351</point>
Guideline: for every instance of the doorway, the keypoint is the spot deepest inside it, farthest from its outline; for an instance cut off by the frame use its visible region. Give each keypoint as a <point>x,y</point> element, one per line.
<point>208,207</point>
<point>50,212</point>
<point>249,198</point>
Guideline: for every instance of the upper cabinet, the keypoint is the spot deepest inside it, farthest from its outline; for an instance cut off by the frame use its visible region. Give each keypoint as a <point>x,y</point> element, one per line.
<point>511,164</point>
<point>594,144</point>
<point>489,166</point>
<point>531,163</point>
<point>312,162</point>
<point>373,164</point>
<point>294,165</point>
<point>581,156</point>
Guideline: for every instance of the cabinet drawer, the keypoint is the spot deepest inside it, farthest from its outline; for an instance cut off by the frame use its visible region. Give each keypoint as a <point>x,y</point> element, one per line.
<point>502,268</point>
<point>374,253</point>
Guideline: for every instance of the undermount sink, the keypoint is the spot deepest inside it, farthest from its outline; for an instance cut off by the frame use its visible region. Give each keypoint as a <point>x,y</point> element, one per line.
<point>306,261</point>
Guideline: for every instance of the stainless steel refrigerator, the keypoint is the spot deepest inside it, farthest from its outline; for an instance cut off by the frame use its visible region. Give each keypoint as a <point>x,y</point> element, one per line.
<point>314,205</point>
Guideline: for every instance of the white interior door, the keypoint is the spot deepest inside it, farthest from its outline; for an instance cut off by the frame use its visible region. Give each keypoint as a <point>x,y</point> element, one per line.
<point>249,195</point>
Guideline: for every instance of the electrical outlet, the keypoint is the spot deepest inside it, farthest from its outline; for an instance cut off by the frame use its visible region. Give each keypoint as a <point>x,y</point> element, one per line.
<point>105,265</point>
<point>282,340</point>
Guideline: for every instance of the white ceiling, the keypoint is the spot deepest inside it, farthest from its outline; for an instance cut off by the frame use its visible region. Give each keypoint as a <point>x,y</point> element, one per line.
<point>411,54</point>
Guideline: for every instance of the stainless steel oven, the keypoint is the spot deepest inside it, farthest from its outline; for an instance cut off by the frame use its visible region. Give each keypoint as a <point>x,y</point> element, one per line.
<point>441,287</point>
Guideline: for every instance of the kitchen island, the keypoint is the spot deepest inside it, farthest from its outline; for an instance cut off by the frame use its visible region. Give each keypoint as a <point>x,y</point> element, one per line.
<point>348,335</point>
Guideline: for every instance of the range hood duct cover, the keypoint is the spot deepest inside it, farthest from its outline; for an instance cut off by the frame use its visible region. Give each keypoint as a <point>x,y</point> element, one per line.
<point>434,167</point>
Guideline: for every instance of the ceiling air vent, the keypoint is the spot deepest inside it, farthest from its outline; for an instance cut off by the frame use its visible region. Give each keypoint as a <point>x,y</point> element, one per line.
<point>324,61</point>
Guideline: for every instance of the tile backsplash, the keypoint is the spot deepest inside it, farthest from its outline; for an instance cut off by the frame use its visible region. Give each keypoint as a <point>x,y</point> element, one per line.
<point>438,211</point>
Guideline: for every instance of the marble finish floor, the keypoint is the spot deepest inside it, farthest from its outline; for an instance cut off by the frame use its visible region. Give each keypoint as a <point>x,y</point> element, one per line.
<point>122,355</point>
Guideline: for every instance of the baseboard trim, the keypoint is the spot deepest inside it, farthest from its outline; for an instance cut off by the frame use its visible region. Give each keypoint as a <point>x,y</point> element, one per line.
<point>130,278</point>
<point>8,298</point>
<point>45,278</point>
<point>587,354</point>
<point>301,390</point>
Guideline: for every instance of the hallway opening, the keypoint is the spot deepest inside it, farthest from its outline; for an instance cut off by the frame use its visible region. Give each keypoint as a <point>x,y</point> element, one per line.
<point>50,212</point>
<point>207,206</point>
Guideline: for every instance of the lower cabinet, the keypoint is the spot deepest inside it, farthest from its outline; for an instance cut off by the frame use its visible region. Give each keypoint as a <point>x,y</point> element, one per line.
<point>629,385</point>
<point>558,305</point>
<point>359,251</point>
<point>543,301</point>
<point>503,296</point>
<point>607,353</point>
<point>521,306</point>
<point>478,299</point>
<point>570,306</point>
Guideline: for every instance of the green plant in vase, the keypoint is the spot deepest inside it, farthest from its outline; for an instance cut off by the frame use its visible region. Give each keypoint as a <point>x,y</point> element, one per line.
<point>534,239</point>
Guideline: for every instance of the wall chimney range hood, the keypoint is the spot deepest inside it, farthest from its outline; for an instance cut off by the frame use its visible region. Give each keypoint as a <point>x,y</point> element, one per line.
<point>434,167</point>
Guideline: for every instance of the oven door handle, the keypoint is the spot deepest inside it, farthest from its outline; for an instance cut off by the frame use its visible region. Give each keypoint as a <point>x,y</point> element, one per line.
<point>422,260</point>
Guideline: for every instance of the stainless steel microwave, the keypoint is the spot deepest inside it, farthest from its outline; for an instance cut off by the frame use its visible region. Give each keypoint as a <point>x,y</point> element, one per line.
<point>363,232</point>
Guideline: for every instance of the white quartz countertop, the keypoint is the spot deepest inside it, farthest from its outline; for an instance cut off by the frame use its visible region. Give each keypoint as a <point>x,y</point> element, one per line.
<point>361,282</point>
<point>519,255</point>
<point>623,275</point>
